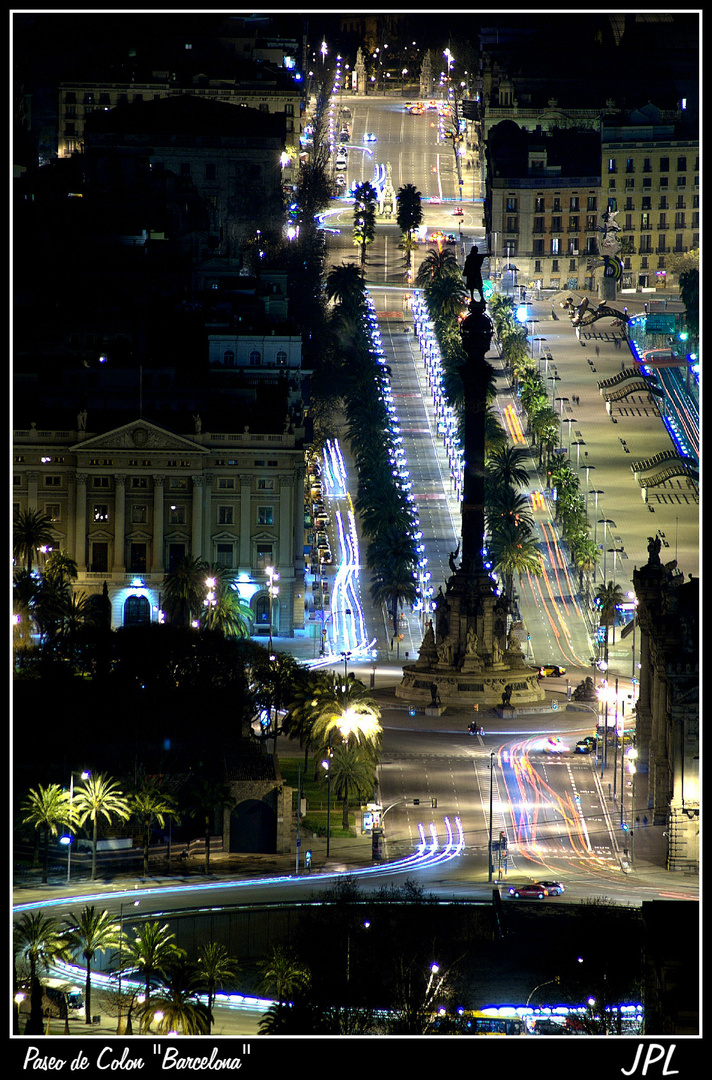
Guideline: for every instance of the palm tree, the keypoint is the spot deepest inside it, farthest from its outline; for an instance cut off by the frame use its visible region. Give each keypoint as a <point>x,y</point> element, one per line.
<point>184,590</point>
<point>31,530</point>
<point>351,772</point>
<point>409,209</point>
<point>364,227</point>
<point>99,795</point>
<point>215,968</point>
<point>507,465</point>
<point>446,296</point>
<point>90,932</point>
<point>514,552</point>
<point>345,284</point>
<point>206,797</point>
<point>38,940</point>
<point>151,951</point>
<point>437,264</point>
<point>346,706</point>
<point>585,554</point>
<point>228,615</point>
<point>60,569</point>
<point>506,507</point>
<point>151,802</point>
<point>175,1006</point>
<point>50,809</point>
<point>282,974</point>
<point>608,597</point>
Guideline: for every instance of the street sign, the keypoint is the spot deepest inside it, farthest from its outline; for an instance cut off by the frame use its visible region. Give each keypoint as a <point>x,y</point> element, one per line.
<point>487,288</point>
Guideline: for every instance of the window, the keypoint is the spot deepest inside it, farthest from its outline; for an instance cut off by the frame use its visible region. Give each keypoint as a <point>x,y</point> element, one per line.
<point>262,610</point>
<point>646,202</point>
<point>556,224</point>
<point>137,558</point>
<point>591,202</point>
<point>539,205</point>
<point>645,221</point>
<point>682,164</point>
<point>573,224</point>
<point>629,165</point>
<point>664,164</point>
<point>52,511</point>
<point>185,168</point>
<point>176,552</point>
<point>139,514</point>
<point>612,167</point>
<point>265,515</point>
<point>225,515</point>
<point>99,558</point>
<point>680,221</point>
<point>178,483</point>
<point>210,172</point>
<point>53,480</point>
<point>139,482</point>
<point>229,358</point>
<point>281,358</point>
<point>226,483</point>
<point>176,515</point>
<point>265,485</point>
<point>264,556</point>
<point>556,246</point>
<point>512,224</point>
<point>511,206</point>
<point>255,358</point>
<point>538,247</point>
<point>100,481</point>
<point>101,512</point>
<point>557,205</point>
<point>574,203</point>
<point>224,555</point>
<point>538,225</point>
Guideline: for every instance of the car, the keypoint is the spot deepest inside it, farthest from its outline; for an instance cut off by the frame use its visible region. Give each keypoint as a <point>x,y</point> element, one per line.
<point>551,670</point>
<point>458,211</point>
<point>585,746</point>
<point>554,745</point>
<point>532,890</point>
<point>553,888</point>
<point>435,199</point>
<point>369,137</point>
<point>450,238</point>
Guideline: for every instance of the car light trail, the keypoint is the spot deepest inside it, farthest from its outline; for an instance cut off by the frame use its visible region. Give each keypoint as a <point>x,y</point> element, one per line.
<point>427,854</point>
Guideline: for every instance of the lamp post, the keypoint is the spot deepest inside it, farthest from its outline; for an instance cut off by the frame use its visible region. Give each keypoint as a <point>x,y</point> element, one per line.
<point>489,844</point>
<point>273,591</point>
<point>605,522</point>
<point>135,903</point>
<point>68,839</point>
<point>570,420</point>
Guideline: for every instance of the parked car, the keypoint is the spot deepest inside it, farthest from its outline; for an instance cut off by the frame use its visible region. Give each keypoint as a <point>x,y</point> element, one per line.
<point>586,746</point>
<point>527,891</point>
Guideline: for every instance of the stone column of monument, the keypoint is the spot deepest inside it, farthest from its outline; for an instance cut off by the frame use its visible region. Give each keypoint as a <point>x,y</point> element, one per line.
<point>468,657</point>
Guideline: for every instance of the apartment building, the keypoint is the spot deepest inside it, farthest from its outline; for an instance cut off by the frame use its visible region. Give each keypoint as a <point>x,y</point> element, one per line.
<point>650,170</point>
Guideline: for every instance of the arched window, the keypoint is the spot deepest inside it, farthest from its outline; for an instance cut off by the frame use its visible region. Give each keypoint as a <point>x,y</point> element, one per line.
<point>255,358</point>
<point>281,359</point>
<point>262,610</point>
<point>137,611</point>
<point>229,358</point>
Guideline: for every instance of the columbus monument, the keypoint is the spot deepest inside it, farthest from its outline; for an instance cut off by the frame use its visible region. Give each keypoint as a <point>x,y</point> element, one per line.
<point>468,658</point>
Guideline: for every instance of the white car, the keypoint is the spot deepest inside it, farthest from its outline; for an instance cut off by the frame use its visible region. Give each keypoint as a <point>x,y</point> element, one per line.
<point>554,745</point>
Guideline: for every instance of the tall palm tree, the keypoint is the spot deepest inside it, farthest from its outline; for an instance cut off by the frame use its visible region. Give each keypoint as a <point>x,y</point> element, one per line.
<point>351,772</point>
<point>215,969</point>
<point>99,795</point>
<point>347,708</point>
<point>229,615</point>
<point>60,568</point>
<point>207,796</point>
<point>88,933</point>
<point>446,296</point>
<point>38,940</point>
<point>364,226</point>
<point>507,465</point>
<point>506,507</point>
<point>184,590</point>
<point>49,809</point>
<point>345,285</point>
<point>585,554</point>
<point>151,951</point>
<point>437,264</point>
<point>31,530</point>
<point>152,802</point>
<point>282,974</point>
<point>608,597</point>
<point>513,551</point>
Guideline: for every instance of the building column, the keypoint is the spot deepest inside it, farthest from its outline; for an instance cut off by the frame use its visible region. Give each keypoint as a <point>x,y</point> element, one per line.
<point>245,558</point>
<point>208,523</point>
<point>120,526</point>
<point>196,536</point>
<point>80,531</point>
<point>158,515</point>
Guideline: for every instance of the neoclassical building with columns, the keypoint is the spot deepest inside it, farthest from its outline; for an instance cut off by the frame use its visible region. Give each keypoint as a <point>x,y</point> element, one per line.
<point>126,503</point>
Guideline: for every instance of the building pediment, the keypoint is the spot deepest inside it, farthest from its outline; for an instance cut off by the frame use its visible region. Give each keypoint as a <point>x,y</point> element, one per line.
<point>140,435</point>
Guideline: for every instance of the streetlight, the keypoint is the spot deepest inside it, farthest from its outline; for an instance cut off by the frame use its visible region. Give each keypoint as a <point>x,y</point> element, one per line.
<point>135,903</point>
<point>346,656</point>
<point>588,468</point>
<point>326,764</point>
<point>273,591</point>
<point>578,444</point>
<point>569,420</point>
<point>489,845</point>
<point>605,522</point>
<point>67,839</point>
